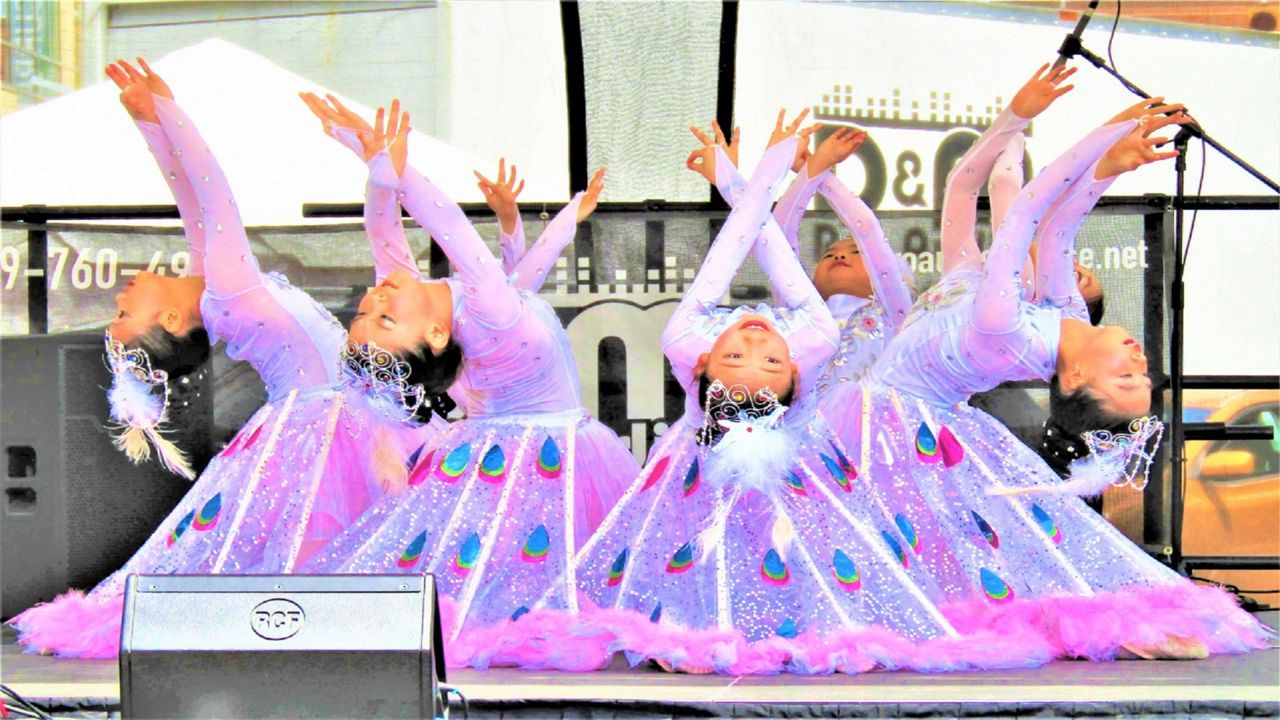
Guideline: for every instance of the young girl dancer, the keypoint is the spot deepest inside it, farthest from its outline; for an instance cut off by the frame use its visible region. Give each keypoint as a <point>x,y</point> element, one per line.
<point>300,469</point>
<point>420,414</point>
<point>860,277</point>
<point>731,551</point>
<point>954,477</point>
<point>498,506</point>
<point>998,154</point>
<point>385,228</point>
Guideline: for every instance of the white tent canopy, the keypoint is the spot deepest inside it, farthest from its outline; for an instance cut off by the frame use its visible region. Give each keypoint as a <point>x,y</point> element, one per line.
<point>82,149</point>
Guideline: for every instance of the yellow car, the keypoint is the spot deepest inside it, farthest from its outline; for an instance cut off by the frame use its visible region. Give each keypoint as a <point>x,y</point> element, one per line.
<point>1232,498</point>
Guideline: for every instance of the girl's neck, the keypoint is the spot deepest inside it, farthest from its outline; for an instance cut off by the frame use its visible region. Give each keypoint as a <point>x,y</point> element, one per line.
<point>186,292</point>
<point>440,300</point>
<point>1072,337</point>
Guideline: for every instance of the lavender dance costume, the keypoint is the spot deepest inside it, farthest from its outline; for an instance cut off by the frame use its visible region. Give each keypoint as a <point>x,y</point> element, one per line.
<point>696,570</point>
<point>866,325</point>
<point>295,474</point>
<point>498,506</point>
<point>1040,564</point>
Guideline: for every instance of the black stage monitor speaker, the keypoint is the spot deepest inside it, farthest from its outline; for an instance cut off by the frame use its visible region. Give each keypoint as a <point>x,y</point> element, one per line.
<point>74,507</point>
<point>281,646</point>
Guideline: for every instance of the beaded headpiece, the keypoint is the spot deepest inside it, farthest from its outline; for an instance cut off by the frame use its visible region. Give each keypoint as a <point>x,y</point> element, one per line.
<point>1097,460</point>
<point>1127,456</point>
<point>726,404</point>
<point>382,379</point>
<point>139,405</point>
<point>745,445</point>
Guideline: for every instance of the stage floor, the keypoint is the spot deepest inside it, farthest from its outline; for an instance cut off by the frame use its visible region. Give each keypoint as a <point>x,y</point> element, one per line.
<point>1232,686</point>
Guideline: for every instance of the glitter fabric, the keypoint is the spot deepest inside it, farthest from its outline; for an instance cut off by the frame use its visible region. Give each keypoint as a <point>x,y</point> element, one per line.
<point>1042,563</point>
<point>797,579</point>
<point>497,505</point>
<point>994,158</point>
<point>295,474</point>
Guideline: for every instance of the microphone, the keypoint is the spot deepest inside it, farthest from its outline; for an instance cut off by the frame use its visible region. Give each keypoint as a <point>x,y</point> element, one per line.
<point>1071,45</point>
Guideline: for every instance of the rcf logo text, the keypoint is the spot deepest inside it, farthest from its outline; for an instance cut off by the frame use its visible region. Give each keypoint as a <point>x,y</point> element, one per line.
<point>276,619</point>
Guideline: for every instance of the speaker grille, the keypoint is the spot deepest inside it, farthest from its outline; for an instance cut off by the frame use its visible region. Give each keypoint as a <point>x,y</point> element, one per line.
<point>112,506</point>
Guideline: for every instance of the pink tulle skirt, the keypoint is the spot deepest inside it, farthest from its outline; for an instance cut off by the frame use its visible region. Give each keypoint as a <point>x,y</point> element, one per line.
<point>1026,633</point>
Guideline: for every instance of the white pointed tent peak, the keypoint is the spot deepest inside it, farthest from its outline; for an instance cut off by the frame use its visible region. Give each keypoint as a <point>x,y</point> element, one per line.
<point>82,149</point>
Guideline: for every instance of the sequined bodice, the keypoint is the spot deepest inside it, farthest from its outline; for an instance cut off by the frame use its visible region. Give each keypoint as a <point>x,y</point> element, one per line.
<point>941,358</point>
<point>865,330</point>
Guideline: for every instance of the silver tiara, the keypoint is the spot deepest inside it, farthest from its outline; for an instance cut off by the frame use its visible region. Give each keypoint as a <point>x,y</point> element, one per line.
<point>383,379</point>
<point>1128,455</point>
<point>736,403</point>
<point>135,361</point>
<point>727,404</point>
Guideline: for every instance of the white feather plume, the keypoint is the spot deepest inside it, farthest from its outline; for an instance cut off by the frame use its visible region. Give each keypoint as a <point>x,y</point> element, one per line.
<point>753,454</point>
<point>1088,477</point>
<point>135,403</point>
<point>171,456</point>
<point>138,411</point>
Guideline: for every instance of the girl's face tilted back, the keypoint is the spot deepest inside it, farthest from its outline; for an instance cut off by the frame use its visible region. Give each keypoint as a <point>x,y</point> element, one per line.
<point>1112,367</point>
<point>841,271</point>
<point>145,302</point>
<point>751,353</point>
<point>396,316</point>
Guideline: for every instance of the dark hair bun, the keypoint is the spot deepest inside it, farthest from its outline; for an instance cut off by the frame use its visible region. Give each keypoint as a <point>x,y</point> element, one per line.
<point>435,372</point>
<point>176,355</point>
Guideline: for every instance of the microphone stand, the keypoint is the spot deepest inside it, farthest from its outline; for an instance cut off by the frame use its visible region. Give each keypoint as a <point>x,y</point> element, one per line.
<point>1072,46</point>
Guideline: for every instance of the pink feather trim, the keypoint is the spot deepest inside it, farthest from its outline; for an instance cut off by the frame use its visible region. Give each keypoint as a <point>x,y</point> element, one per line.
<point>72,625</point>
<point>1097,627</point>
<point>1024,633</point>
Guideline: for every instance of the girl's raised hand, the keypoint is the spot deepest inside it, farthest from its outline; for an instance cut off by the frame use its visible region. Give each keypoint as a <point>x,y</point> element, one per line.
<point>333,114</point>
<point>1041,90</point>
<point>501,195</point>
<point>154,83</point>
<point>327,115</point>
<point>835,149</point>
<point>135,94</point>
<point>702,160</point>
<point>782,130</point>
<point>730,146</point>
<point>1138,148</point>
<point>781,133</point>
<point>395,136</point>
<point>592,197</point>
<point>1146,107</point>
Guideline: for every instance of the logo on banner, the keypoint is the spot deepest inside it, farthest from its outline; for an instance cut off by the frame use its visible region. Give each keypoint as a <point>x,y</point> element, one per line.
<point>912,146</point>
<point>276,619</point>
